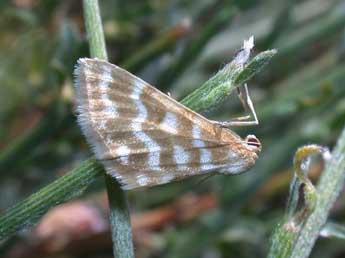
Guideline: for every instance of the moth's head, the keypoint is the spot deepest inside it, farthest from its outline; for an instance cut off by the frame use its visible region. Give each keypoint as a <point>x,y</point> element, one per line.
<point>253,143</point>
<point>243,157</point>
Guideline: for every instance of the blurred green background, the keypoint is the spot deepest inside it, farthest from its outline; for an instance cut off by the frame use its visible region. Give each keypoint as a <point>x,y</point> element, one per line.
<point>175,45</point>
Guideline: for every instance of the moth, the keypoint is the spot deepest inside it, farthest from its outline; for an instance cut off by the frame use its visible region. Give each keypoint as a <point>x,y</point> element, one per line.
<point>145,138</point>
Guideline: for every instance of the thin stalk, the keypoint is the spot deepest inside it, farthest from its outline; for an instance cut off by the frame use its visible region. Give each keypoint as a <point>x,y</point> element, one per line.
<point>26,213</point>
<point>120,221</point>
<point>330,185</point>
<point>94,29</point>
<point>214,91</point>
<point>296,238</point>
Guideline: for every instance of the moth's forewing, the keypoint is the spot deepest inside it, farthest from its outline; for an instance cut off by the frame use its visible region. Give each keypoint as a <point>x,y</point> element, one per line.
<point>145,138</point>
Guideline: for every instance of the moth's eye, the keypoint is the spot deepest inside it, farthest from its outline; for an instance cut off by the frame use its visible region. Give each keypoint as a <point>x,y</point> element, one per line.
<point>254,142</point>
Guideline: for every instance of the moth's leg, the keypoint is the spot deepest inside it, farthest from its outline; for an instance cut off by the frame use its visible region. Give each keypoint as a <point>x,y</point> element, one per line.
<point>243,98</point>
<point>247,104</point>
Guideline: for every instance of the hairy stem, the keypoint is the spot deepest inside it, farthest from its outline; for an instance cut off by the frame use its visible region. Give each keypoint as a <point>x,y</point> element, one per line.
<point>120,221</point>
<point>26,213</point>
<point>296,238</point>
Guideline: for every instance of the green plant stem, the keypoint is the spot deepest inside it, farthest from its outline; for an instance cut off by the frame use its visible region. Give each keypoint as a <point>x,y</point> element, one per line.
<point>119,219</point>
<point>297,240</point>
<point>119,216</point>
<point>216,89</point>
<point>26,213</point>
<point>330,185</point>
<point>37,204</point>
<point>94,29</point>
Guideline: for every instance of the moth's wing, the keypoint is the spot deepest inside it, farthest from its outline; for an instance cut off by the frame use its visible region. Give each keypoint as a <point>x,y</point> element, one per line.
<point>142,136</point>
